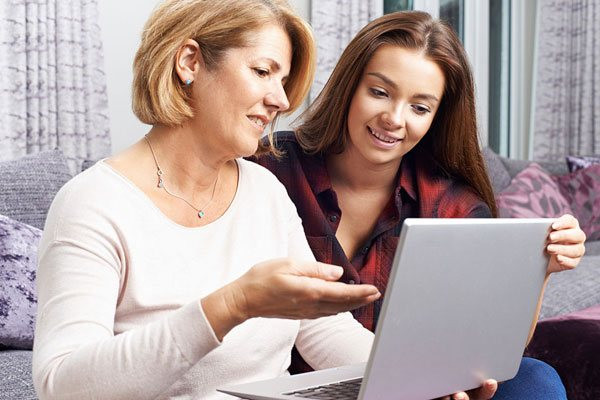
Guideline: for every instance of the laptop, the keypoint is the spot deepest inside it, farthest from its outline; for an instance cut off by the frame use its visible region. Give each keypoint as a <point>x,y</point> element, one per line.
<point>459,304</point>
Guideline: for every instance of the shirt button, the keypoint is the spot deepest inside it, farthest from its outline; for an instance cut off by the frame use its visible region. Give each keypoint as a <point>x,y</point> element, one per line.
<point>333,218</point>
<point>365,250</point>
<point>351,282</point>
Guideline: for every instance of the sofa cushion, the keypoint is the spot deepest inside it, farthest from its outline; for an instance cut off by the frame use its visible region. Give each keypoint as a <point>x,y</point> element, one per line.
<point>571,344</point>
<point>497,172</point>
<point>573,290</point>
<point>582,190</point>
<point>579,162</point>
<point>29,184</point>
<point>532,194</point>
<point>18,259</point>
<point>513,166</point>
<point>15,379</point>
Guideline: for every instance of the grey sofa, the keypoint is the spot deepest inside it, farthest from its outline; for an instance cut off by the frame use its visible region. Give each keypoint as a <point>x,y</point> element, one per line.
<point>28,185</point>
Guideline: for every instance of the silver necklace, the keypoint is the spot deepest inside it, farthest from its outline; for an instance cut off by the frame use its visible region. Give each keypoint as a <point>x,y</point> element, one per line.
<point>161,184</point>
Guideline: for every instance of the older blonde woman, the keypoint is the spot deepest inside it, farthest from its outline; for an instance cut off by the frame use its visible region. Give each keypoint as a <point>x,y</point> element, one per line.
<point>176,267</point>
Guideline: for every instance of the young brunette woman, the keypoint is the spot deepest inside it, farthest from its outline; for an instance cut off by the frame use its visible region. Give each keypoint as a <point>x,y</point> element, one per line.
<point>393,135</point>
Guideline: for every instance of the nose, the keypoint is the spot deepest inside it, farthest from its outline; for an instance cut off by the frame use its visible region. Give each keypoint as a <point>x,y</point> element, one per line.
<point>394,119</point>
<point>277,98</point>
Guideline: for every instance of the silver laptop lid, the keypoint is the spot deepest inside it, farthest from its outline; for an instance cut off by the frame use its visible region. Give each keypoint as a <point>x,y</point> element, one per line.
<point>459,304</point>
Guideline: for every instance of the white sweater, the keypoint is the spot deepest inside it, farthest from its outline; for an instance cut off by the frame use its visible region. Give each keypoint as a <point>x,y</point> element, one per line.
<point>119,286</point>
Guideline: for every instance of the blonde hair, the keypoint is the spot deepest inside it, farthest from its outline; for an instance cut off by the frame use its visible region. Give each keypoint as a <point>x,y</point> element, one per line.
<point>159,97</point>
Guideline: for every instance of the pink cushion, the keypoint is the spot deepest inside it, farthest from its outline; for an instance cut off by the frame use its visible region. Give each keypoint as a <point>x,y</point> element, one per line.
<point>532,193</point>
<point>582,190</point>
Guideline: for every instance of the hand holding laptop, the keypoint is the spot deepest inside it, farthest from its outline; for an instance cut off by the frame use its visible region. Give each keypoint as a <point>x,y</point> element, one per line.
<point>486,391</point>
<point>284,288</point>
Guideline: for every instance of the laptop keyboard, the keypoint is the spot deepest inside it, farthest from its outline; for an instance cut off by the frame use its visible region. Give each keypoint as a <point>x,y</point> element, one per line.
<point>346,390</point>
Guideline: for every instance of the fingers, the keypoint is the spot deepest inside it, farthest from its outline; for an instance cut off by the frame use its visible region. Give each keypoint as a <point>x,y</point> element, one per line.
<point>567,235</point>
<point>319,270</point>
<point>566,251</point>
<point>564,222</point>
<point>484,392</point>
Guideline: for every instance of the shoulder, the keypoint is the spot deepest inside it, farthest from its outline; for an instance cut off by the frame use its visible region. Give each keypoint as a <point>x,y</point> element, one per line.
<point>444,196</point>
<point>96,194</point>
<point>292,162</point>
<point>285,142</point>
<point>258,176</point>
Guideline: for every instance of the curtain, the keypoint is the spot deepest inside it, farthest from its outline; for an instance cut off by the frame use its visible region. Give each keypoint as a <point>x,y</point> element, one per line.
<point>335,22</point>
<point>567,86</point>
<point>52,80</point>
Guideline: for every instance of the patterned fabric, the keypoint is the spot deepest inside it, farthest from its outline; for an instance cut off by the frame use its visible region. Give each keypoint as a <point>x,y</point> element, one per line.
<point>567,86</point>
<point>29,184</point>
<point>419,193</point>
<point>15,379</point>
<point>580,162</point>
<point>582,190</point>
<point>335,22</point>
<point>18,259</point>
<point>532,194</point>
<point>571,344</point>
<point>52,80</point>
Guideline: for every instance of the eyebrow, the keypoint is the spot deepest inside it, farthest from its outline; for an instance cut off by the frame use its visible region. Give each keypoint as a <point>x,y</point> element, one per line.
<point>388,81</point>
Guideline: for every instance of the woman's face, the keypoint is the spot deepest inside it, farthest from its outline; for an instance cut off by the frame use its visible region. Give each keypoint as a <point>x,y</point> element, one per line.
<point>393,105</point>
<point>236,100</point>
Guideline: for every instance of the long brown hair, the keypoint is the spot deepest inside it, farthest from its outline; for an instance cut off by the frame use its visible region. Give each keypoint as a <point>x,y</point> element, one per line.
<point>452,139</point>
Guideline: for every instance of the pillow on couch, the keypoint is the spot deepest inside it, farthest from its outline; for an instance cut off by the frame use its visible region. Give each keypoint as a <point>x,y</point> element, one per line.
<point>532,194</point>
<point>29,184</point>
<point>18,301</point>
<point>579,162</point>
<point>582,190</point>
<point>571,344</point>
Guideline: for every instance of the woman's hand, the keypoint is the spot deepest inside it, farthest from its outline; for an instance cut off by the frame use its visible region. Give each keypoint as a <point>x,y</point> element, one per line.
<point>484,392</point>
<point>284,288</point>
<point>565,244</point>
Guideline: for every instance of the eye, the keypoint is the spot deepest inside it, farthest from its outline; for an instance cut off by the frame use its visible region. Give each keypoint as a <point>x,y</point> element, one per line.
<point>420,110</point>
<point>377,92</point>
<point>262,72</point>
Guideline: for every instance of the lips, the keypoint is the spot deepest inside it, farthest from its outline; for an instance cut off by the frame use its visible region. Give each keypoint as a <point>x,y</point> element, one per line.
<point>383,136</point>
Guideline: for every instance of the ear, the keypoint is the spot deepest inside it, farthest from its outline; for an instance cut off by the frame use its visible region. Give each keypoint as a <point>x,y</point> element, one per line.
<point>189,61</point>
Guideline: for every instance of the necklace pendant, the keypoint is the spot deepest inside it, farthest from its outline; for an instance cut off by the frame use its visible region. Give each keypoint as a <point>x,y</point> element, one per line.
<point>160,183</point>
<point>200,214</point>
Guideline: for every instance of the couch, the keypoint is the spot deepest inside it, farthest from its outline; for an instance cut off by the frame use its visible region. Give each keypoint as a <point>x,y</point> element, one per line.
<point>28,185</point>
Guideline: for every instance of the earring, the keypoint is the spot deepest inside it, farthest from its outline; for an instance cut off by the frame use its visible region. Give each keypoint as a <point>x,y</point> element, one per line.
<point>188,82</point>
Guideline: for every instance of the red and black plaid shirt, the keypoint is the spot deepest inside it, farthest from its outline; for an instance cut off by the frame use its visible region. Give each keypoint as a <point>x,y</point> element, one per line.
<point>420,192</point>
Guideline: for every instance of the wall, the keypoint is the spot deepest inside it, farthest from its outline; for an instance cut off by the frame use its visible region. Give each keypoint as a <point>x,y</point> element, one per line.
<point>121,23</point>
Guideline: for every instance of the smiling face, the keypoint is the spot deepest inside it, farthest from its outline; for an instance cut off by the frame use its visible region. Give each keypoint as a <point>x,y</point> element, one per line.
<point>393,106</point>
<point>234,102</point>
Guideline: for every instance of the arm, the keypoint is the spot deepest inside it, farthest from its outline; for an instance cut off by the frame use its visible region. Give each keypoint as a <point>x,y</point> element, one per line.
<point>76,353</point>
<point>565,247</point>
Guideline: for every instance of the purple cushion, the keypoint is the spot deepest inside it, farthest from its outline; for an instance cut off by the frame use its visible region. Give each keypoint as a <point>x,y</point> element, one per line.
<point>571,344</point>
<point>582,190</point>
<point>18,258</point>
<point>580,162</point>
<point>532,193</point>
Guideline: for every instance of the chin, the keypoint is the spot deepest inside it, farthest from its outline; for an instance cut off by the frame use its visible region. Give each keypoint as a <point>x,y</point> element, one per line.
<point>248,149</point>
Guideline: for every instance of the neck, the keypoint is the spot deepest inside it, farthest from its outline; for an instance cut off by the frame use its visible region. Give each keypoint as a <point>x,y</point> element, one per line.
<point>357,174</point>
<point>187,166</point>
